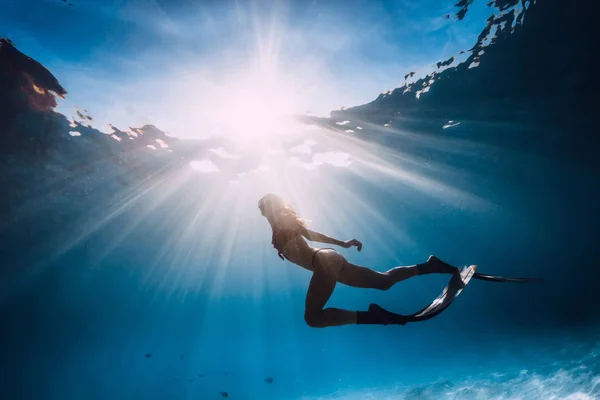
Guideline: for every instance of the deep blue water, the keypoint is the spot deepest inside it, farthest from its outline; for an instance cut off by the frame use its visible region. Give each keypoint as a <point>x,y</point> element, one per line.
<point>125,275</point>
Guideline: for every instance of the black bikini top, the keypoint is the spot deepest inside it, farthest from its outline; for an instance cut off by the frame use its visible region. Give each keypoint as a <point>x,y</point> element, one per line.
<point>280,237</point>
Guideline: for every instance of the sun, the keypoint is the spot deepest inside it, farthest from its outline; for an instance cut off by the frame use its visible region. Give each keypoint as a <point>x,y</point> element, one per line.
<point>257,105</point>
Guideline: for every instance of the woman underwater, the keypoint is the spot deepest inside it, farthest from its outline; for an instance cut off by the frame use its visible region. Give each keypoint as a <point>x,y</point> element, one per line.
<point>330,267</point>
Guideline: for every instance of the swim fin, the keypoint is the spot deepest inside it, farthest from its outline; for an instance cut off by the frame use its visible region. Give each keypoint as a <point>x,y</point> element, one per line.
<point>491,278</point>
<point>434,265</point>
<point>377,315</point>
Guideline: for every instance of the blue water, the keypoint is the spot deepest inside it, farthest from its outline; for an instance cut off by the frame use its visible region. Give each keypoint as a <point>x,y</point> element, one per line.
<point>127,275</point>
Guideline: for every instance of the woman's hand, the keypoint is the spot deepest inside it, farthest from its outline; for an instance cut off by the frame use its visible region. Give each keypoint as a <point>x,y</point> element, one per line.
<point>353,242</point>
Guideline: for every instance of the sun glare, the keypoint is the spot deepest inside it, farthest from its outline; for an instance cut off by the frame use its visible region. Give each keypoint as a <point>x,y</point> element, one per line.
<point>256,106</point>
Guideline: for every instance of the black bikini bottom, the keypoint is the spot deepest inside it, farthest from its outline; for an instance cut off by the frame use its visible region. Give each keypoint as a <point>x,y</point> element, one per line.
<point>317,252</point>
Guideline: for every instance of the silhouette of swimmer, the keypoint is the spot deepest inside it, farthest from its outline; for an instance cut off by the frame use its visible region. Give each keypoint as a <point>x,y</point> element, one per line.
<point>329,267</point>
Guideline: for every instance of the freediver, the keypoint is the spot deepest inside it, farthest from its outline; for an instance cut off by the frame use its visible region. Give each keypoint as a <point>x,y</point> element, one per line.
<point>329,267</point>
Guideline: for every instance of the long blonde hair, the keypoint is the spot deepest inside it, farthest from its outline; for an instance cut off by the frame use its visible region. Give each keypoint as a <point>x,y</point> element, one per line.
<point>278,206</point>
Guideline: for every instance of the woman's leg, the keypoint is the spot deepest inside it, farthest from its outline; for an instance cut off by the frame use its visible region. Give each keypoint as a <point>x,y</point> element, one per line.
<point>333,267</point>
<point>362,277</point>
<point>320,289</point>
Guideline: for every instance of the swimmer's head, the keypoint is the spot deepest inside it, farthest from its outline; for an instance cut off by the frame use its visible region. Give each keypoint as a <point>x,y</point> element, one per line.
<point>272,206</point>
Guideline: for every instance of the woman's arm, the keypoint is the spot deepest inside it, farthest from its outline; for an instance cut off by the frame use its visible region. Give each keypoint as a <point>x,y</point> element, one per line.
<point>319,237</point>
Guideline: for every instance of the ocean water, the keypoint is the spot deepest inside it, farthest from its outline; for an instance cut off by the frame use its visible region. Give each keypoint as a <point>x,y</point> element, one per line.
<point>130,272</point>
